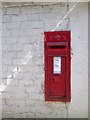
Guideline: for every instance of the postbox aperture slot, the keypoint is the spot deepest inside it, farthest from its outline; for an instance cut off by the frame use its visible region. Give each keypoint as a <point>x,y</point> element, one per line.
<point>57,47</point>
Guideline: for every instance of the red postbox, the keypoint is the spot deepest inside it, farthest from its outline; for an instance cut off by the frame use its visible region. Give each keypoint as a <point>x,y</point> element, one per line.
<point>57,66</point>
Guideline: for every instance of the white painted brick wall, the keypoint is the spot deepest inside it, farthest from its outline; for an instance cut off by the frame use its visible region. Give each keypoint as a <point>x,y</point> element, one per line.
<point>23,48</point>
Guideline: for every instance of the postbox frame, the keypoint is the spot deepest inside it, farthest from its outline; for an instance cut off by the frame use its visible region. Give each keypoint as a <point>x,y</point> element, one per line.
<point>58,38</point>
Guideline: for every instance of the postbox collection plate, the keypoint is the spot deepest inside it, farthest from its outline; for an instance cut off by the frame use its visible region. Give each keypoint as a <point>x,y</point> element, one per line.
<point>57,66</point>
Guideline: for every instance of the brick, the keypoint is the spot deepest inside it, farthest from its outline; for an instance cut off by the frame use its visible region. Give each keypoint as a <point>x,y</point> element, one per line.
<point>6,18</point>
<point>27,69</point>
<point>27,82</point>
<point>31,24</point>
<point>52,16</point>
<point>27,17</point>
<point>16,62</point>
<point>36,32</point>
<point>25,76</point>
<point>38,53</point>
<point>8,108</point>
<point>14,90</point>
<point>26,33</point>
<point>50,25</point>
<point>15,33</point>
<point>6,33</point>
<point>40,36</point>
<point>7,61</point>
<point>13,25</point>
<point>38,109</point>
<point>7,54</point>
<point>30,115</point>
<point>21,55</point>
<point>39,61</point>
<point>39,83</point>
<point>24,40</point>
<point>17,47</point>
<point>39,76</point>
<point>15,55</point>
<point>53,115</point>
<point>32,89</point>
<point>18,18</point>
<point>13,10</point>
<point>11,115</point>
<point>39,69</point>
<point>35,96</point>
<point>11,40</point>
<point>7,48</point>
<point>27,47</point>
<point>20,33</point>
<point>30,9</point>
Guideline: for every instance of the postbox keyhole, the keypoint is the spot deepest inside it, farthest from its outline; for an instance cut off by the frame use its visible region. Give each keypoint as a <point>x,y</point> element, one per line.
<point>52,78</point>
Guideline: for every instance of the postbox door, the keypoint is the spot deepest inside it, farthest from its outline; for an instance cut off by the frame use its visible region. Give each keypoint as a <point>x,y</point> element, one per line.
<point>56,75</point>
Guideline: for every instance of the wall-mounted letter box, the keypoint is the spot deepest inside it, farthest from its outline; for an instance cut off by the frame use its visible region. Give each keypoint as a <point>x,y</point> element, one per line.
<point>57,66</point>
